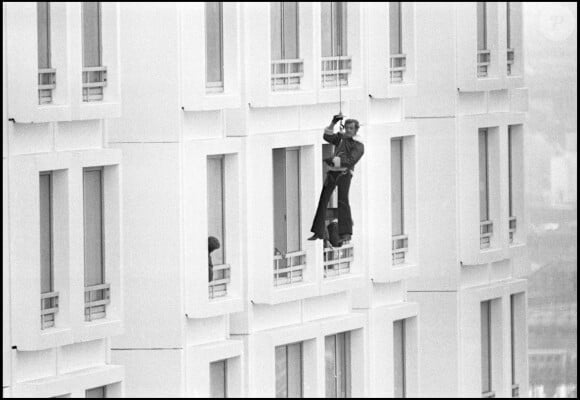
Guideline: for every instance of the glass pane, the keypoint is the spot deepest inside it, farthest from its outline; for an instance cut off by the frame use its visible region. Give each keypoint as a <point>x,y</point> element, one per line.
<point>399,357</point>
<point>395,27</point>
<point>290,29</point>
<point>483,182</point>
<point>513,337</point>
<point>510,160</point>
<point>485,347</point>
<point>281,372</point>
<point>330,361</point>
<point>91,12</point>
<point>276,30</point>
<point>481,26</point>
<point>294,370</point>
<point>279,185</point>
<point>217,379</point>
<point>338,15</point>
<point>293,199</point>
<point>326,28</point>
<point>508,25</point>
<point>43,24</point>
<point>93,220</point>
<point>397,186</point>
<point>98,392</point>
<point>213,42</point>
<point>215,206</point>
<point>45,233</point>
<point>343,364</point>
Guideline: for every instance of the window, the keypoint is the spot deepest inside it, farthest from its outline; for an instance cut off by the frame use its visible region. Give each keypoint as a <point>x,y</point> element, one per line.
<point>486,384</point>
<point>220,273</point>
<point>512,218</point>
<point>96,291</point>
<point>396,32</point>
<point>335,61</point>
<point>49,299</point>
<point>400,241</point>
<point>287,200</point>
<point>396,41</point>
<point>218,379</point>
<point>214,52</point>
<point>510,50</point>
<point>287,240</point>
<point>216,205</point>
<point>287,68</point>
<point>486,226</point>
<point>483,54</point>
<point>515,385</point>
<point>94,73</point>
<point>399,357</point>
<point>98,392</point>
<point>46,74</point>
<point>397,202</point>
<point>289,370</point>
<point>337,358</point>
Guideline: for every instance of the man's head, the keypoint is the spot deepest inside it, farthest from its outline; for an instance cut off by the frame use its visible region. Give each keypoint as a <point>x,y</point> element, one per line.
<point>212,243</point>
<point>351,127</point>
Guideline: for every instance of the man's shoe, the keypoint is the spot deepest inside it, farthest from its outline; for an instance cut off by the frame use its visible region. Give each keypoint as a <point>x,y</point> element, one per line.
<point>314,237</point>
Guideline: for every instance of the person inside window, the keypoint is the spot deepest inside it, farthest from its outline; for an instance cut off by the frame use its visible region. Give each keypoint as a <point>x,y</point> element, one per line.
<point>212,244</point>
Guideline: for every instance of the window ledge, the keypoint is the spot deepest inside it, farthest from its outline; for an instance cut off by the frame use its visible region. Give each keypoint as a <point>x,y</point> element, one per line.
<point>98,110</point>
<point>99,329</point>
<point>219,306</point>
<point>341,283</point>
<point>47,338</point>
<point>291,292</point>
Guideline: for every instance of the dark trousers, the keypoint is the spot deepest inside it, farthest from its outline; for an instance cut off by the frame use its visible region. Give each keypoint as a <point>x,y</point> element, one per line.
<point>334,178</point>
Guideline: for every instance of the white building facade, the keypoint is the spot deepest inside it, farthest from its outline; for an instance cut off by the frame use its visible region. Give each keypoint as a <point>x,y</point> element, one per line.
<point>62,286</point>
<point>223,110</point>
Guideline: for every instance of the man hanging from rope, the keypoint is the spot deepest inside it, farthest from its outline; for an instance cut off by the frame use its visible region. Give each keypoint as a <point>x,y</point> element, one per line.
<point>346,154</point>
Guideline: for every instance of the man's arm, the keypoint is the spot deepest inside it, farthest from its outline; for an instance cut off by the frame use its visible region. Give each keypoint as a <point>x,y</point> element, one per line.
<point>329,135</point>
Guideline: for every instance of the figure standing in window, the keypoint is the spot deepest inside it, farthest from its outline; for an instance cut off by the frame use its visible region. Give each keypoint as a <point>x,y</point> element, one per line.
<point>212,244</point>
<point>347,152</point>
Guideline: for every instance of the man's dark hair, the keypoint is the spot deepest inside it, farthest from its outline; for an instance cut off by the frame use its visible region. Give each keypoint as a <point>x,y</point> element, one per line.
<point>352,121</point>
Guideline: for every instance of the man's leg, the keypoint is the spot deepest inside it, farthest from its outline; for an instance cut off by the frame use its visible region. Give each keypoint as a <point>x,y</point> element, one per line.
<point>318,225</point>
<point>344,216</point>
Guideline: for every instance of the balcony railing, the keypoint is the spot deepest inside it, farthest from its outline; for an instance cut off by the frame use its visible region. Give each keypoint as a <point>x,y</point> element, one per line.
<point>400,246</point>
<point>214,87</point>
<point>485,233</point>
<point>289,268</point>
<point>398,66</point>
<point>96,299</point>
<point>286,74</point>
<point>46,84</point>
<point>338,260</point>
<point>512,228</point>
<point>48,309</point>
<point>335,70</point>
<point>515,390</point>
<point>510,60</point>
<point>218,287</point>
<point>488,395</point>
<point>94,80</point>
<point>483,61</point>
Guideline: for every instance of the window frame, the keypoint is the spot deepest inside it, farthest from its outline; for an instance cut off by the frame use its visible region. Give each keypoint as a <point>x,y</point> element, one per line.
<point>341,25</point>
<point>483,23</point>
<point>485,157</point>
<point>402,180</point>
<point>282,31</point>
<point>50,229</point>
<point>48,35</point>
<point>345,366</point>
<point>99,35</point>
<point>215,86</point>
<point>222,161</point>
<point>225,380</point>
<point>486,333</point>
<point>403,358</point>
<point>286,348</point>
<point>102,222</point>
<point>399,32</point>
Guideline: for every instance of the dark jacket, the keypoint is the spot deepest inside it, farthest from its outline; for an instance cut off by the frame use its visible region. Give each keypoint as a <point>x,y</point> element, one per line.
<point>347,149</point>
